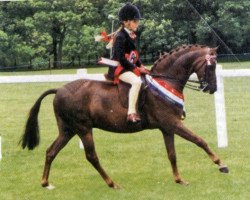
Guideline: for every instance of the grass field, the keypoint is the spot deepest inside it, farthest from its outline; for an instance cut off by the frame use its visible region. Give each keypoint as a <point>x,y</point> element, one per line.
<point>137,162</point>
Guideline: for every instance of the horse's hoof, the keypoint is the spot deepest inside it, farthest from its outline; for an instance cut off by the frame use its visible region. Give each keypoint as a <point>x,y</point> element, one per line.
<point>224,169</point>
<point>44,183</point>
<point>181,182</point>
<point>50,187</point>
<point>115,186</point>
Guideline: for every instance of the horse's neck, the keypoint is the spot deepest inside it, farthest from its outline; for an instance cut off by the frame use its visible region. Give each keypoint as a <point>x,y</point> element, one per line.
<point>178,72</point>
<point>164,65</point>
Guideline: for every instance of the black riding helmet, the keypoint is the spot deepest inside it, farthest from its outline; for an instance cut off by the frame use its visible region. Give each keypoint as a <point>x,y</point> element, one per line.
<point>129,12</point>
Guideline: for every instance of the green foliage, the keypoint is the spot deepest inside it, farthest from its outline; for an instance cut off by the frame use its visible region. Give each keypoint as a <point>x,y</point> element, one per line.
<point>59,30</point>
<point>233,15</point>
<point>156,33</point>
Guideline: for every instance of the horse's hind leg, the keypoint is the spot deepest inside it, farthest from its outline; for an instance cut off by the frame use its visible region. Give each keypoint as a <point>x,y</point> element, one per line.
<point>169,143</point>
<point>89,147</point>
<point>51,153</point>
<point>182,131</point>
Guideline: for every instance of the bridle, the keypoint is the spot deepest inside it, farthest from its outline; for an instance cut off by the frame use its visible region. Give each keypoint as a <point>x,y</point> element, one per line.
<point>210,66</point>
<point>203,83</point>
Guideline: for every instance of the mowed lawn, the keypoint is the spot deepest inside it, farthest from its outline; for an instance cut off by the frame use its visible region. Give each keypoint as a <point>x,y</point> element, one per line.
<point>137,162</point>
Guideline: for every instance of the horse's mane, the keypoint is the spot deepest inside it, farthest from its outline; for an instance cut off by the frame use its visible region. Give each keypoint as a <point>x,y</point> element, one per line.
<point>167,59</point>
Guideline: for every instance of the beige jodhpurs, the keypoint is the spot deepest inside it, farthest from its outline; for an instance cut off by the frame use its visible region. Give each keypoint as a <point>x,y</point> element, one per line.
<point>135,82</point>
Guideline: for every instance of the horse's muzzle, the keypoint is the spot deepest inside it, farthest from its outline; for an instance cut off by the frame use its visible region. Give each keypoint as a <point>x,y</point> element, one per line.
<point>211,91</point>
<point>208,88</point>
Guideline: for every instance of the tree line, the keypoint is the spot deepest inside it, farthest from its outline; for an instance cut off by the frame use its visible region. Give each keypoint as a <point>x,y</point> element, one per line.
<point>39,31</point>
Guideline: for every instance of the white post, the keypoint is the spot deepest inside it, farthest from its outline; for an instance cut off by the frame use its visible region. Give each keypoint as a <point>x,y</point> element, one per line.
<point>220,111</point>
<point>81,144</point>
<point>79,72</point>
<point>0,148</point>
<point>112,18</point>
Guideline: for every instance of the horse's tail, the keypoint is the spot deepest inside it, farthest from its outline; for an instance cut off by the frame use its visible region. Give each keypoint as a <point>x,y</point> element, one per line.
<point>31,136</point>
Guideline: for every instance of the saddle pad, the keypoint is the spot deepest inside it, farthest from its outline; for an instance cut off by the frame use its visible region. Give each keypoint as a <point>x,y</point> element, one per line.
<point>165,91</point>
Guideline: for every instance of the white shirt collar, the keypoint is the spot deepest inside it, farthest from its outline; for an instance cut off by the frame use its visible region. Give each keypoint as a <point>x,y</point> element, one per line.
<point>128,31</point>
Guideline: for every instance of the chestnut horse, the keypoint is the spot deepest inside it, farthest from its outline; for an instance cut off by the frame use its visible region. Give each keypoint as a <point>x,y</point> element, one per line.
<point>82,105</point>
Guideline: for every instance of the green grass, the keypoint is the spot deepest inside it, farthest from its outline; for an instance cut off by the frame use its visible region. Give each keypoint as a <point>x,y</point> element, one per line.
<point>236,65</point>
<point>137,162</point>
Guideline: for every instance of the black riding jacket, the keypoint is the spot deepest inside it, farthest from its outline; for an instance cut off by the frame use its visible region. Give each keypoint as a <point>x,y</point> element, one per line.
<point>123,44</point>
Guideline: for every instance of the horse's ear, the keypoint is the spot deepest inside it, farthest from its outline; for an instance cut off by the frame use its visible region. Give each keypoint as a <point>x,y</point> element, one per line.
<point>214,50</point>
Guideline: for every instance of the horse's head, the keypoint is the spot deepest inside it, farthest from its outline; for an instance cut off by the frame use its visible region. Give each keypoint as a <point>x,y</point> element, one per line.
<point>205,67</point>
<point>180,63</point>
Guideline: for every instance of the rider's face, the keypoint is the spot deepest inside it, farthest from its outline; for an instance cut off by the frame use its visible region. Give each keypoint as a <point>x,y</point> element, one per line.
<point>132,24</point>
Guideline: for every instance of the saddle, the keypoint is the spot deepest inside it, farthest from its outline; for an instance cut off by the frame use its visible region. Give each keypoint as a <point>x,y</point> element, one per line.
<point>123,92</point>
<point>158,87</point>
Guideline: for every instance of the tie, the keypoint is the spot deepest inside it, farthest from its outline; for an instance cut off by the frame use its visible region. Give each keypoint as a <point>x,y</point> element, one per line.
<point>132,35</point>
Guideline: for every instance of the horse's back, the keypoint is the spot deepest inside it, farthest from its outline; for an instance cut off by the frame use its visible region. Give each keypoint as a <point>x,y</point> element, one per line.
<point>81,92</point>
<point>96,103</point>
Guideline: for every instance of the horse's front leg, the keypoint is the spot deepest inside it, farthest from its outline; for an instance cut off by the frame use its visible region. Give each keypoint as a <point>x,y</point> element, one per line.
<point>169,143</point>
<point>185,133</point>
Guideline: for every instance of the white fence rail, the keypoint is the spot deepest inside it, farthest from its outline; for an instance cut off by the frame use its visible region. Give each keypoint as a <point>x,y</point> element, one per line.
<point>81,73</point>
<point>219,100</point>
<point>218,97</point>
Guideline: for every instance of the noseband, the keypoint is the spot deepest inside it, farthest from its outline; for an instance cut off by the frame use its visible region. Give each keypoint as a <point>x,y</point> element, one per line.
<point>210,66</point>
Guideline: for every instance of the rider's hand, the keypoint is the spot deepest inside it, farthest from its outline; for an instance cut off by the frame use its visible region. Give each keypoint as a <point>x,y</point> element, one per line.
<point>143,70</point>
